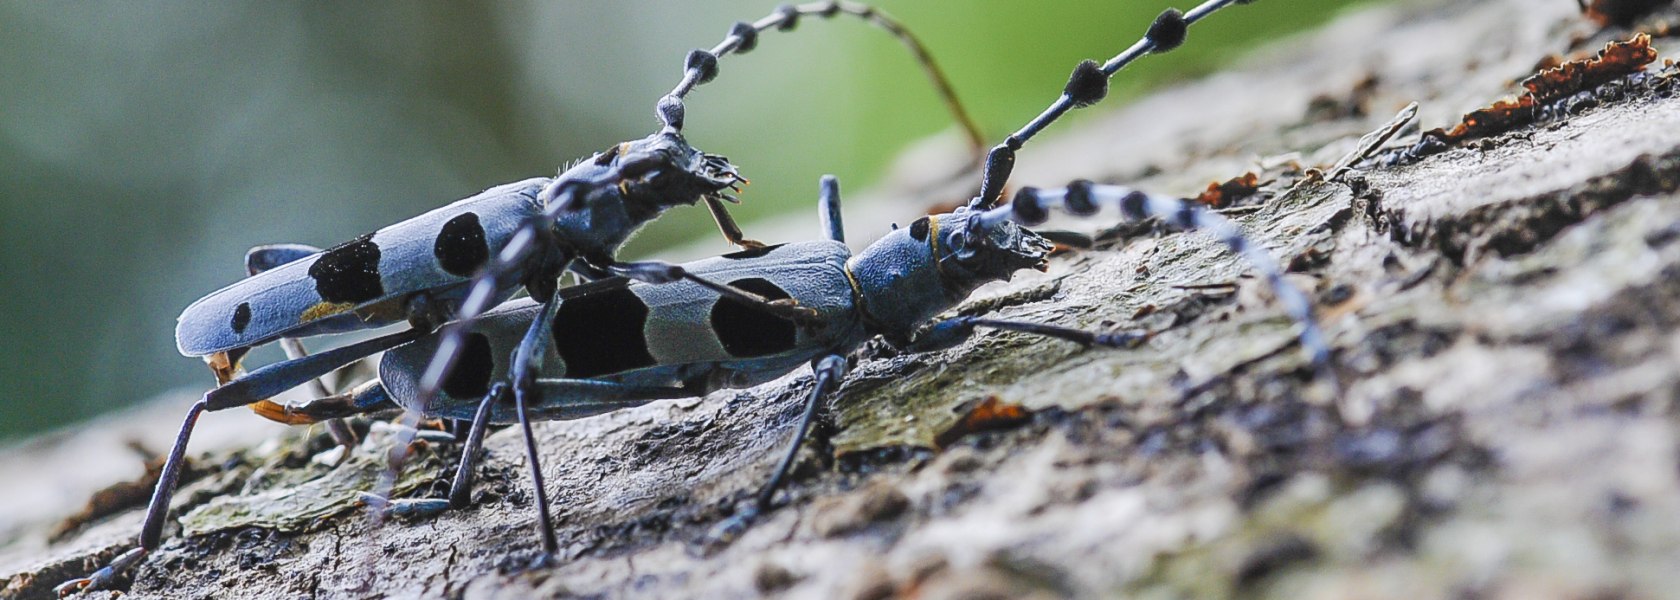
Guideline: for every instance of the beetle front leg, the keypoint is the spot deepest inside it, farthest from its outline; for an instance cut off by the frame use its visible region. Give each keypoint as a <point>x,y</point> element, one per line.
<point>950,332</point>
<point>726,223</point>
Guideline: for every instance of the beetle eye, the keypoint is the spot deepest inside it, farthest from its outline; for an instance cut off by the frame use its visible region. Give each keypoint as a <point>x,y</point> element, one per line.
<point>958,242</point>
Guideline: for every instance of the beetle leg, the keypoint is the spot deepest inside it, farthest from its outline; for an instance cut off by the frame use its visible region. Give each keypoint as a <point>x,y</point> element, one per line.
<point>151,533</point>
<point>656,272</point>
<point>271,380</point>
<point>829,370</point>
<point>726,223</point>
<point>950,332</point>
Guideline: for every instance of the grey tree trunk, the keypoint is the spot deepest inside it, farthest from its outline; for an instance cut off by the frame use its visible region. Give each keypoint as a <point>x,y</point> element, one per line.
<point>1504,321</point>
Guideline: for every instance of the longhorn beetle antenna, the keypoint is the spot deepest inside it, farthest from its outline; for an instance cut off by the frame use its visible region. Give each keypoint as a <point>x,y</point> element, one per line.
<point>1086,86</point>
<point>1031,206</point>
<point>702,65</point>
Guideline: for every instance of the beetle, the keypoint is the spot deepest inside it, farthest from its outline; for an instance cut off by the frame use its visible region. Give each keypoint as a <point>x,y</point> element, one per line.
<point>618,342</point>
<point>615,343</point>
<point>1087,85</point>
<point>454,262</point>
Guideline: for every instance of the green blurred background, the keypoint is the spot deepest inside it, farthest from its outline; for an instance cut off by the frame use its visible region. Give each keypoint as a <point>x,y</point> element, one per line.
<point>145,146</point>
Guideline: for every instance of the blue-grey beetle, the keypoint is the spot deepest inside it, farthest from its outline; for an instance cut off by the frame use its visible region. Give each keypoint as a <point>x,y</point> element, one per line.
<point>624,341</point>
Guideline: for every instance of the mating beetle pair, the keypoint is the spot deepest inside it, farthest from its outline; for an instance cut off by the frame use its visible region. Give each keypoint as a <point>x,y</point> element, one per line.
<point>677,330</point>
<point>456,262</point>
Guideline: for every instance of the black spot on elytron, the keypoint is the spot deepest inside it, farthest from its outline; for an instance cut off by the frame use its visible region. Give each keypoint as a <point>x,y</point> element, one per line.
<point>602,332</point>
<point>747,331</point>
<point>349,272</point>
<point>752,252</point>
<point>919,229</point>
<point>241,317</point>
<point>471,377</point>
<point>460,248</point>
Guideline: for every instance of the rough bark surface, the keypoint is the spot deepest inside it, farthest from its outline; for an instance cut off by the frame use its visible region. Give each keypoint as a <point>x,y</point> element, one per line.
<point>1504,317</point>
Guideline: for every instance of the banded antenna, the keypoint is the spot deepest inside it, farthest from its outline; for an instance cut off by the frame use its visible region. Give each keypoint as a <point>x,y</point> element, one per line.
<point>702,65</point>
<point>1086,86</point>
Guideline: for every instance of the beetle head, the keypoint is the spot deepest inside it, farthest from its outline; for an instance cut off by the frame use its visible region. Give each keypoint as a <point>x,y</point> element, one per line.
<point>973,248</point>
<point>662,170</point>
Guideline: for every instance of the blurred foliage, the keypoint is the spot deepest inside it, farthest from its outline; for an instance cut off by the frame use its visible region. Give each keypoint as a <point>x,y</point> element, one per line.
<point>145,146</point>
